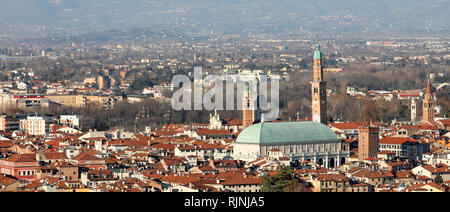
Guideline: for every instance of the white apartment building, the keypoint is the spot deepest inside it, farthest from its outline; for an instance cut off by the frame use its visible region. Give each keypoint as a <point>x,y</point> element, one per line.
<point>35,126</point>
<point>71,120</point>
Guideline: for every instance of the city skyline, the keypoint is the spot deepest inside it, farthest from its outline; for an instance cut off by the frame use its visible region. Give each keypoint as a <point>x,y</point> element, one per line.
<point>234,98</point>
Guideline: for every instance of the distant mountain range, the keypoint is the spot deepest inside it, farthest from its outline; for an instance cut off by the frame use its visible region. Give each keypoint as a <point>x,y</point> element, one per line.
<point>37,18</point>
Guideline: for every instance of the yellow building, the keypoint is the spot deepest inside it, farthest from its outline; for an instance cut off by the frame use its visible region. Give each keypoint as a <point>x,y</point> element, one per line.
<point>330,183</point>
<point>78,101</point>
<point>75,101</point>
<point>101,101</point>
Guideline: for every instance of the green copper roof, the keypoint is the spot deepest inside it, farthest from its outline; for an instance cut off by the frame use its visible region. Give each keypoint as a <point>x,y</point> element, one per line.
<point>317,53</point>
<point>286,132</point>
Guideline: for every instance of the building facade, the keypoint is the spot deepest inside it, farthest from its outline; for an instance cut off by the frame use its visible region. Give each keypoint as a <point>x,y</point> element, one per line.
<point>37,126</point>
<point>301,141</point>
<point>407,148</point>
<point>23,167</point>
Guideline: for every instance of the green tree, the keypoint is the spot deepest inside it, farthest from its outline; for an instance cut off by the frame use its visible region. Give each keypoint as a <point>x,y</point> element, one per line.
<point>283,181</point>
<point>141,83</point>
<point>438,179</point>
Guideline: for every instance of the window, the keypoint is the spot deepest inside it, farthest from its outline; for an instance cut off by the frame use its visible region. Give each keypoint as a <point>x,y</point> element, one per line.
<point>316,91</point>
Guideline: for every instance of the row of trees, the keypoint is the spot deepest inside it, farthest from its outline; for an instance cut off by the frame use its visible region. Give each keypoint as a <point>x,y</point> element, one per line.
<point>295,95</point>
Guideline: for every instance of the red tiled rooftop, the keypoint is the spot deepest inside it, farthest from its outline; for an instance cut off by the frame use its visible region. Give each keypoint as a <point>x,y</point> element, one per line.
<point>212,132</point>
<point>397,140</point>
<point>21,158</point>
<point>349,125</point>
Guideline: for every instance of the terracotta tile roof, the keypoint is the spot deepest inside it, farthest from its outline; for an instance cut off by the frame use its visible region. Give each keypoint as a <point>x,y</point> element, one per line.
<point>55,155</point>
<point>242,180</point>
<point>437,186</point>
<point>212,146</point>
<point>420,187</point>
<point>86,156</point>
<point>349,125</point>
<point>203,125</point>
<point>398,163</point>
<point>386,152</point>
<point>397,140</point>
<point>212,132</point>
<point>173,161</point>
<point>111,160</point>
<point>404,174</point>
<point>445,122</point>
<point>187,147</point>
<point>164,147</point>
<point>359,185</point>
<point>206,168</point>
<point>143,137</point>
<point>6,144</point>
<point>373,174</point>
<point>312,171</point>
<point>225,163</point>
<point>5,181</point>
<point>65,164</point>
<point>209,176</point>
<point>371,159</point>
<point>421,126</point>
<point>152,175</point>
<point>184,180</point>
<point>232,122</point>
<point>136,143</point>
<point>21,158</point>
<point>99,172</point>
<point>437,169</point>
<point>423,177</point>
<point>230,174</point>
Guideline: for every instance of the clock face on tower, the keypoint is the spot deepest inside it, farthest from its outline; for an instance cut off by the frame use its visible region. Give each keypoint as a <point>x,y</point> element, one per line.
<point>316,118</point>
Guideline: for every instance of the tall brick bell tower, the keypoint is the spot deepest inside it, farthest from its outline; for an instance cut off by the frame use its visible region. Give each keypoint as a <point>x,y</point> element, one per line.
<point>319,90</point>
<point>428,106</point>
<point>248,112</point>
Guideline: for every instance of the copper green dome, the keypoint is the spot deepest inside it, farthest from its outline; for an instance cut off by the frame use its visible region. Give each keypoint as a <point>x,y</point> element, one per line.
<point>276,133</point>
<point>317,52</point>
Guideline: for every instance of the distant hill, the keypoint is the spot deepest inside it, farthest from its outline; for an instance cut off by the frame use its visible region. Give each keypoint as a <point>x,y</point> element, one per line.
<point>35,18</point>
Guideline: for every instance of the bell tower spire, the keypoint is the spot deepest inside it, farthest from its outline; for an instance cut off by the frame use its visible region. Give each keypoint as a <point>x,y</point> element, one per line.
<point>428,105</point>
<point>319,88</point>
<point>248,113</point>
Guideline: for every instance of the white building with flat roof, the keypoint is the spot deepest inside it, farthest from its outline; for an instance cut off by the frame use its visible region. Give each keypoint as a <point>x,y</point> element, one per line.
<point>35,125</point>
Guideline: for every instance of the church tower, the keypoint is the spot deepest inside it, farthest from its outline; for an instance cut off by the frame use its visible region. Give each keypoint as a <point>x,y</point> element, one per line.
<point>368,138</point>
<point>428,105</point>
<point>248,112</point>
<point>319,90</point>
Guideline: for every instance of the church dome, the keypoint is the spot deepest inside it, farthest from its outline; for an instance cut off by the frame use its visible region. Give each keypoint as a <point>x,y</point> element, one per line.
<point>317,52</point>
<point>277,133</point>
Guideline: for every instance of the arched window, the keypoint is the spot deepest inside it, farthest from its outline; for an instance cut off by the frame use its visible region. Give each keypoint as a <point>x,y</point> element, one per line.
<point>320,162</point>
<point>342,160</point>
<point>331,163</point>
